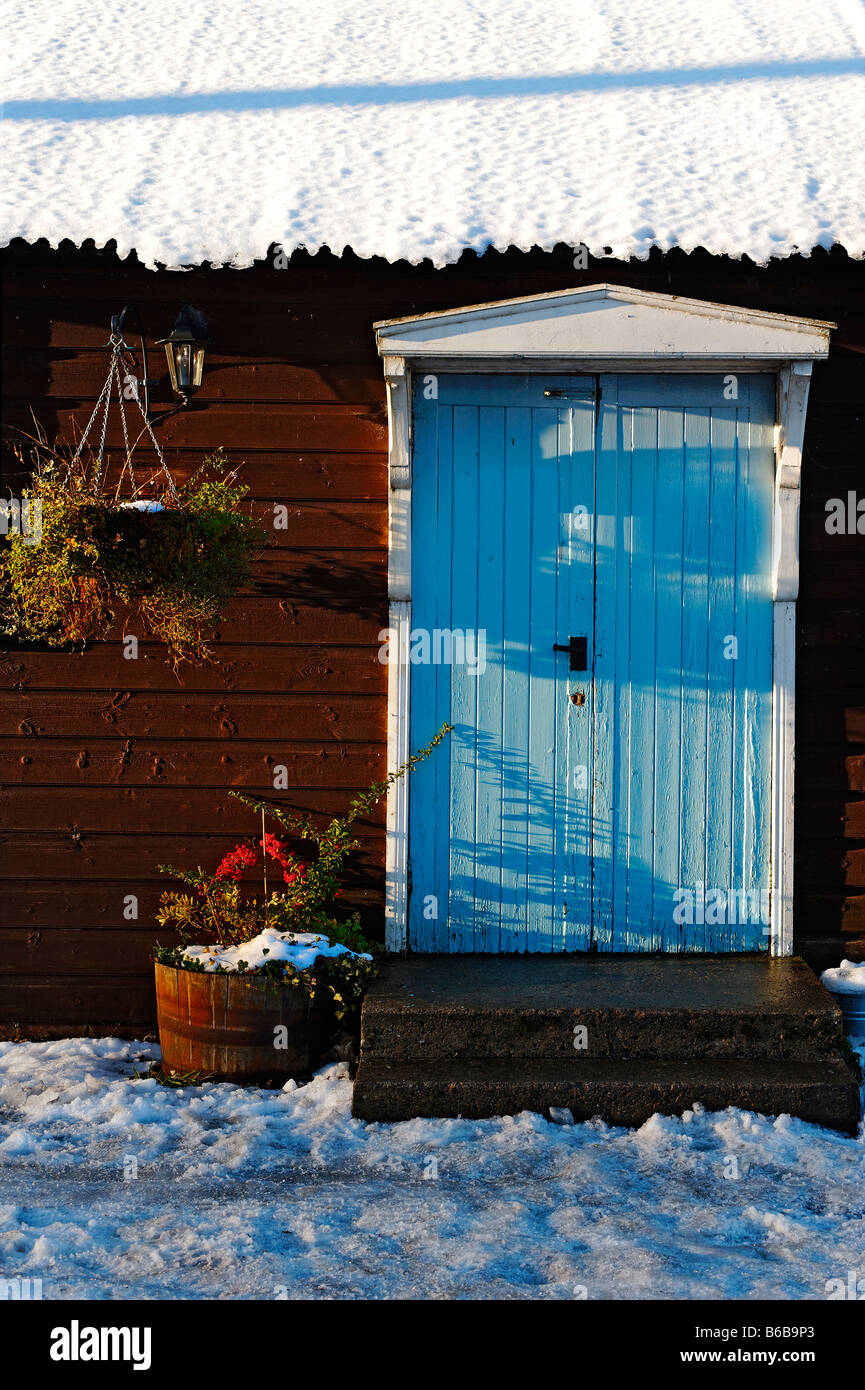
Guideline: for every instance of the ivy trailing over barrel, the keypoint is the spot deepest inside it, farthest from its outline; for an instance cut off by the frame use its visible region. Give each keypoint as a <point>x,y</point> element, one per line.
<point>171,562</point>
<point>343,980</point>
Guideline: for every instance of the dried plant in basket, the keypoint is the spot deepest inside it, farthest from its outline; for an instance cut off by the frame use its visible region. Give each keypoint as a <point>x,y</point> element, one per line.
<point>172,558</point>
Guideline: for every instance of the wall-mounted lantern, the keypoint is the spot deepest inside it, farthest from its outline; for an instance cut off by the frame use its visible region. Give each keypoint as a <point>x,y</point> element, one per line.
<point>185,349</point>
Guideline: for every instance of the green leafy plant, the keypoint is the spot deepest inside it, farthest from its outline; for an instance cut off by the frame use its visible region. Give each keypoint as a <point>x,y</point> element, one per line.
<point>173,569</point>
<point>217,909</point>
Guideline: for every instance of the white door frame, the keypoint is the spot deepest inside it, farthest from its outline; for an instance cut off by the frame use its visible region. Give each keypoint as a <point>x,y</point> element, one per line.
<point>603,328</point>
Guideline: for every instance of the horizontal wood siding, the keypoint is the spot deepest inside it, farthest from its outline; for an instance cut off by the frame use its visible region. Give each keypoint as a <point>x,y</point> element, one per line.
<point>110,767</point>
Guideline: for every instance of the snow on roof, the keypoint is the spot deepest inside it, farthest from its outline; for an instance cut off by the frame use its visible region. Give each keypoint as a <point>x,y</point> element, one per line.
<point>212,129</point>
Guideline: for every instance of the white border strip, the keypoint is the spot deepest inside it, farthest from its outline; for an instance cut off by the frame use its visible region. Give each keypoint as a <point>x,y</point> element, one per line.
<point>398,383</point>
<point>793,383</point>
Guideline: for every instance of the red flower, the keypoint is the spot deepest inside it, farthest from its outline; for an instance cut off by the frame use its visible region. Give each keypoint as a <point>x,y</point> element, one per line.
<point>292,870</point>
<point>243,857</point>
<point>232,866</point>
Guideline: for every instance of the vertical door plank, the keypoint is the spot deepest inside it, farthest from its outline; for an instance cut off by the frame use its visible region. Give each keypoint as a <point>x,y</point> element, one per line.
<point>574,746</point>
<point>463,740</point>
<point>754,666</point>
<point>668,704</point>
<point>491,735</point>
<point>721,935</point>
<point>516,634</point>
<point>695,623</point>
<point>761,457</point>
<point>642,930</point>
<point>604,721</point>
<point>442,567</point>
<point>537,431</point>
<point>622,750</point>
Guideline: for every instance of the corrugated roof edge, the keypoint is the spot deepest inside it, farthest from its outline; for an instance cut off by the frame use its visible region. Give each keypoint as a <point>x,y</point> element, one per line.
<point>619,253</point>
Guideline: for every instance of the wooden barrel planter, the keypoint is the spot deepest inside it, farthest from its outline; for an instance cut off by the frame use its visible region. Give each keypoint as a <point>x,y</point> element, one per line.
<point>239,1027</point>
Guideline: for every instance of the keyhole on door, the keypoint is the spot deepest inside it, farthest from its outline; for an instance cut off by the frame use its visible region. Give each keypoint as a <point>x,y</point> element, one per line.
<point>577,697</point>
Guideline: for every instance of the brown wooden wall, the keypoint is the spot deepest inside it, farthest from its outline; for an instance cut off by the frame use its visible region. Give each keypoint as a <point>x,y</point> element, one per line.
<point>110,767</point>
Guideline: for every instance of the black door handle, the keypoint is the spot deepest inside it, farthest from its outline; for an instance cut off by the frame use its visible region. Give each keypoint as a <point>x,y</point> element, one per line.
<point>578,650</point>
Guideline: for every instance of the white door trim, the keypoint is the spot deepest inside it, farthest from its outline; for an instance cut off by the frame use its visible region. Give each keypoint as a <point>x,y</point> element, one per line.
<point>398,384</point>
<point>613,329</point>
<point>794,380</point>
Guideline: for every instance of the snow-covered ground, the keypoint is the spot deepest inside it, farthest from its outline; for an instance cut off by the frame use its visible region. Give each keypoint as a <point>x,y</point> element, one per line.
<point>210,131</point>
<point>115,1188</point>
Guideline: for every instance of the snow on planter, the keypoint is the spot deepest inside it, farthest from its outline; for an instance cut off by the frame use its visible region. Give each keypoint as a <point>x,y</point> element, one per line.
<point>297,949</point>
<point>846,978</point>
<point>846,982</point>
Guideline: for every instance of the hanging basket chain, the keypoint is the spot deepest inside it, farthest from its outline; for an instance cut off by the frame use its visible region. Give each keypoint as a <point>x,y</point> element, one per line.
<point>128,458</point>
<point>175,497</point>
<point>105,392</point>
<point>107,407</point>
<point>118,346</point>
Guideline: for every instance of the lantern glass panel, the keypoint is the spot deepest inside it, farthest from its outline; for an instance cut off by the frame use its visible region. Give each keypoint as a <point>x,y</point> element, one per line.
<point>197,365</point>
<point>172,371</point>
<point>185,351</point>
<point>179,357</point>
<point>182,362</point>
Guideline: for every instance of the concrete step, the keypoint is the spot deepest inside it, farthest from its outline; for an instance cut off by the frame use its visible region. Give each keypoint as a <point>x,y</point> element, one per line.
<point>622,1093</point>
<point>427,1008</point>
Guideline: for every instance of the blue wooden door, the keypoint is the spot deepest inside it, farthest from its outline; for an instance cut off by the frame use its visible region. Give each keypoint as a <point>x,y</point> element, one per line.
<point>623,806</point>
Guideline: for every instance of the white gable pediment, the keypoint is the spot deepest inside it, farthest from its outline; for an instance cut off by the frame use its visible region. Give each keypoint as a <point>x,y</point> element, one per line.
<point>606,322</point>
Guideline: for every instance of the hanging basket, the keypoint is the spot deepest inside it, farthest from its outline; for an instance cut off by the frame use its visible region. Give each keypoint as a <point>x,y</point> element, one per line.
<point>171,561</point>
